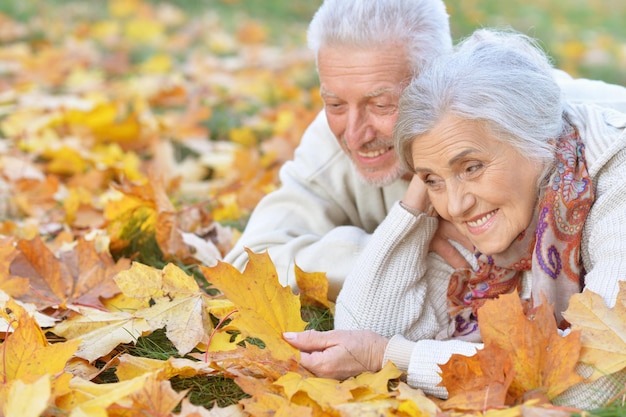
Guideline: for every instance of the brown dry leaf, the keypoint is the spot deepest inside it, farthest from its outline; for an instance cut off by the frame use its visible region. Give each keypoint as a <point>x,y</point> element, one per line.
<point>26,353</point>
<point>478,382</point>
<point>249,362</point>
<point>313,288</point>
<point>603,330</point>
<point>543,360</point>
<point>266,309</point>
<point>99,332</point>
<point>78,276</point>
<point>176,303</point>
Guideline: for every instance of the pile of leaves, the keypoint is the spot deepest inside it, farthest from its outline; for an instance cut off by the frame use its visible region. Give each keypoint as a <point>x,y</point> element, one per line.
<point>133,146</point>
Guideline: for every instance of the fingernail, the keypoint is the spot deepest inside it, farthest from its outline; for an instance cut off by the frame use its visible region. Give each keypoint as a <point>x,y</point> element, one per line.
<point>289,335</point>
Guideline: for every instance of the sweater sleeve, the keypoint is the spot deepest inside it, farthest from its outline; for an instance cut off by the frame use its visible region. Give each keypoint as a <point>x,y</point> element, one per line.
<point>394,287</point>
<point>604,236</point>
<point>421,360</point>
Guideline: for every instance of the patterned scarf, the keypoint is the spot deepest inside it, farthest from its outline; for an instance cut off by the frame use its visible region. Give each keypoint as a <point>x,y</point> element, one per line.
<point>550,247</point>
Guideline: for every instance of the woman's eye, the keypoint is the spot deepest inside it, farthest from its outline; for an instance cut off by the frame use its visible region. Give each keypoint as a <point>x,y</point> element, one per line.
<point>473,168</point>
<point>433,182</point>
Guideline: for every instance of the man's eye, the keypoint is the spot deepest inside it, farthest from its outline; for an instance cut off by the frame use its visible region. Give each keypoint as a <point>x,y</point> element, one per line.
<point>334,107</point>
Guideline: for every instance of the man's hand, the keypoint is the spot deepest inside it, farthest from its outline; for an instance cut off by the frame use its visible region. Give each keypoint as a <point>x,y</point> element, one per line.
<point>339,354</point>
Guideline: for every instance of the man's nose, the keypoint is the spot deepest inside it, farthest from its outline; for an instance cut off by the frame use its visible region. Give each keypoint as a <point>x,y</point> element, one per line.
<point>356,126</point>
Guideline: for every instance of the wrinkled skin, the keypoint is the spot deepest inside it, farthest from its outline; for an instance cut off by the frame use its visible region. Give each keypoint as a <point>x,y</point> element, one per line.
<point>339,354</point>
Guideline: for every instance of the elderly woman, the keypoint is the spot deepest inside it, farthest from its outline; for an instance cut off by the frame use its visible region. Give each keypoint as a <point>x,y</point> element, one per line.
<point>536,185</point>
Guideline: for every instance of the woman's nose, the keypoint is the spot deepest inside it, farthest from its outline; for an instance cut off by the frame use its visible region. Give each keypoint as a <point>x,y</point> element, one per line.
<point>460,200</point>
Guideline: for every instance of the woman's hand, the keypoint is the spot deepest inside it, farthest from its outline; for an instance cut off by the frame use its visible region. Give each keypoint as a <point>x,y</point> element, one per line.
<point>416,197</point>
<point>440,244</point>
<point>339,354</point>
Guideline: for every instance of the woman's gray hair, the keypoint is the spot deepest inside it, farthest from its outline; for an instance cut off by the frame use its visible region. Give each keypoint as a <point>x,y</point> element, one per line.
<point>421,25</point>
<point>502,78</point>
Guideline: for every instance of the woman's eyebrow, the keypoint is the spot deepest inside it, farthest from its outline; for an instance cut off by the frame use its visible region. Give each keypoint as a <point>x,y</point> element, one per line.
<point>460,155</point>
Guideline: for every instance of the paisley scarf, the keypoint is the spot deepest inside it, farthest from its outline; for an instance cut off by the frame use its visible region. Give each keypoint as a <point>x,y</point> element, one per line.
<point>549,247</point>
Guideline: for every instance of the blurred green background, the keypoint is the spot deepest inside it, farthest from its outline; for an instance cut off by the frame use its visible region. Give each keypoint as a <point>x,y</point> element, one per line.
<point>585,37</point>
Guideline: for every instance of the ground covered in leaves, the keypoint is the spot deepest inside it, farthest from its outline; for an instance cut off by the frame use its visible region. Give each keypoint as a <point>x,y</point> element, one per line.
<point>134,142</point>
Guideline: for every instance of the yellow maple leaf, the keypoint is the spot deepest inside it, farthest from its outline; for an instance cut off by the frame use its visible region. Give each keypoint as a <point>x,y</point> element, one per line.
<point>370,385</point>
<point>324,391</point>
<point>88,399</point>
<point>27,355</point>
<point>266,309</point>
<point>130,367</point>
<point>313,288</point>
<point>603,330</point>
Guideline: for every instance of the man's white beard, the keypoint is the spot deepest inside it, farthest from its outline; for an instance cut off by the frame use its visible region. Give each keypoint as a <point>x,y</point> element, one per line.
<point>392,176</point>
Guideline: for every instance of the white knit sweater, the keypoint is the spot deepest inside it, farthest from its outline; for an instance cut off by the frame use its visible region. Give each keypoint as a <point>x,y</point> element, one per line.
<point>399,290</point>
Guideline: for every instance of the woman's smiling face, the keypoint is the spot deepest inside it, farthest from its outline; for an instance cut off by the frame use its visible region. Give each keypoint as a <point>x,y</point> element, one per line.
<point>481,184</point>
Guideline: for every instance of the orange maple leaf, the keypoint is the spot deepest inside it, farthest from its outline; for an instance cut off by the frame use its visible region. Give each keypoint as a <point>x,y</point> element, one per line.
<point>266,309</point>
<point>78,276</point>
<point>478,382</point>
<point>542,361</point>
